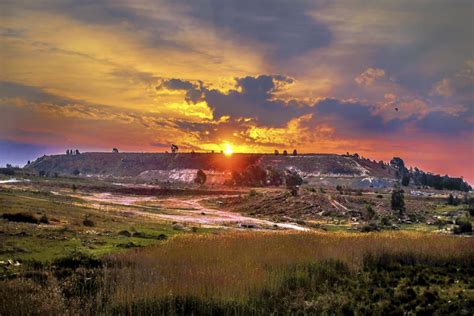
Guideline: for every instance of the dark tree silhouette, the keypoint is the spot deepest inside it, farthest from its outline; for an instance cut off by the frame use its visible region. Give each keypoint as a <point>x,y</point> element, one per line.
<point>200,177</point>
<point>293,180</point>
<point>398,201</point>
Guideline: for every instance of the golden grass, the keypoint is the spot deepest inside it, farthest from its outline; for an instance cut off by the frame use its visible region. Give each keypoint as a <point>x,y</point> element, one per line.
<point>232,266</point>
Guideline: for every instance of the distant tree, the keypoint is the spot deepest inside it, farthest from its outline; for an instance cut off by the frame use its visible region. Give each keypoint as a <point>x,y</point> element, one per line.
<point>406,179</point>
<point>398,201</point>
<point>192,152</point>
<point>74,188</point>
<point>397,163</point>
<point>200,177</point>
<point>356,156</point>
<point>451,199</point>
<point>285,153</point>
<point>28,162</point>
<point>115,150</point>
<point>76,172</point>
<point>77,152</point>
<point>42,173</point>
<point>174,148</point>
<point>67,152</point>
<point>276,152</point>
<point>9,166</point>
<point>293,180</point>
<point>295,152</point>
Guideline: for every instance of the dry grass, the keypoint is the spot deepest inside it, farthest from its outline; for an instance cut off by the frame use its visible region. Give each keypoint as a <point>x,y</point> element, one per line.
<point>233,266</point>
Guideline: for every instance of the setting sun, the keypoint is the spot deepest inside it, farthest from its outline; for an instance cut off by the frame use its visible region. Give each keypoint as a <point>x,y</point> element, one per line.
<point>228,151</point>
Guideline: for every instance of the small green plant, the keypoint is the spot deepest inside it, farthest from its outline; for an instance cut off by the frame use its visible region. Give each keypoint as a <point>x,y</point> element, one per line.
<point>252,193</point>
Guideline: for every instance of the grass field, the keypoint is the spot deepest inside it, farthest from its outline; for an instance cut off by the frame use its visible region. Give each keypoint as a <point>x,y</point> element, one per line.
<point>259,273</point>
<point>79,249</point>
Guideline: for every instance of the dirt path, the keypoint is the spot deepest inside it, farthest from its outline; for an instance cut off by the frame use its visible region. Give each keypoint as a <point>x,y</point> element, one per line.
<point>187,211</point>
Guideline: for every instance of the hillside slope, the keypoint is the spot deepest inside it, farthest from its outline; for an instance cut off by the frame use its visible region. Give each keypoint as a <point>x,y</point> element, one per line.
<point>184,165</point>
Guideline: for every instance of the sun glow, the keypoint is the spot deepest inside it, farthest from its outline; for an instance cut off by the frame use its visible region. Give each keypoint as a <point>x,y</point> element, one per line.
<point>228,150</point>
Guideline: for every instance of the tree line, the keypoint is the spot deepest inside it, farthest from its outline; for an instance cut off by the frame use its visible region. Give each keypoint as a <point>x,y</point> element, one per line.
<point>418,177</point>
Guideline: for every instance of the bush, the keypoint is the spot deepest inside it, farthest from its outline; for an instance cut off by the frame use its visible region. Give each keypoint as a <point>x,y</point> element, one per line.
<point>88,222</point>
<point>21,217</point>
<point>464,225</point>
<point>126,233</point>
<point>370,211</point>
<point>398,201</point>
<point>7,171</point>
<point>200,177</point>
<point>44,219</point>
<point>379,196</point>
<point>371,227</point>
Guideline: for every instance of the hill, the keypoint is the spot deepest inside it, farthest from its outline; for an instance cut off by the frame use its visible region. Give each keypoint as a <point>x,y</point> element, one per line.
<point>183,166</point>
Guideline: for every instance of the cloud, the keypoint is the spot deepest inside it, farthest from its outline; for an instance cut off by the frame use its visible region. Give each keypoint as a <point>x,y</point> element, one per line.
<point>284,27</point>
<point>445,124</point>
<point>461,84</point>
<point>369,76</point>
<point>252,97</point>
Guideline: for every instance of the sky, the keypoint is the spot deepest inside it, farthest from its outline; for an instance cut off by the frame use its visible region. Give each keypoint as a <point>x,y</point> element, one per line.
<point>380,78</point>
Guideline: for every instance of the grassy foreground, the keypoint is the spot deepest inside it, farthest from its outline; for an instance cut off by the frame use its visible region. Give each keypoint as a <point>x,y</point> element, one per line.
<point>258,273</point>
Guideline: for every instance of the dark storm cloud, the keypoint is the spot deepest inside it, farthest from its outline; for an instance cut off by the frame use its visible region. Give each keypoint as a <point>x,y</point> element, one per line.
<point>284,25</point>
<point>176,84</point>
<point>252,100</point>
<point>354,117</point>
<point>445,124</point>
<point>437,41</point>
